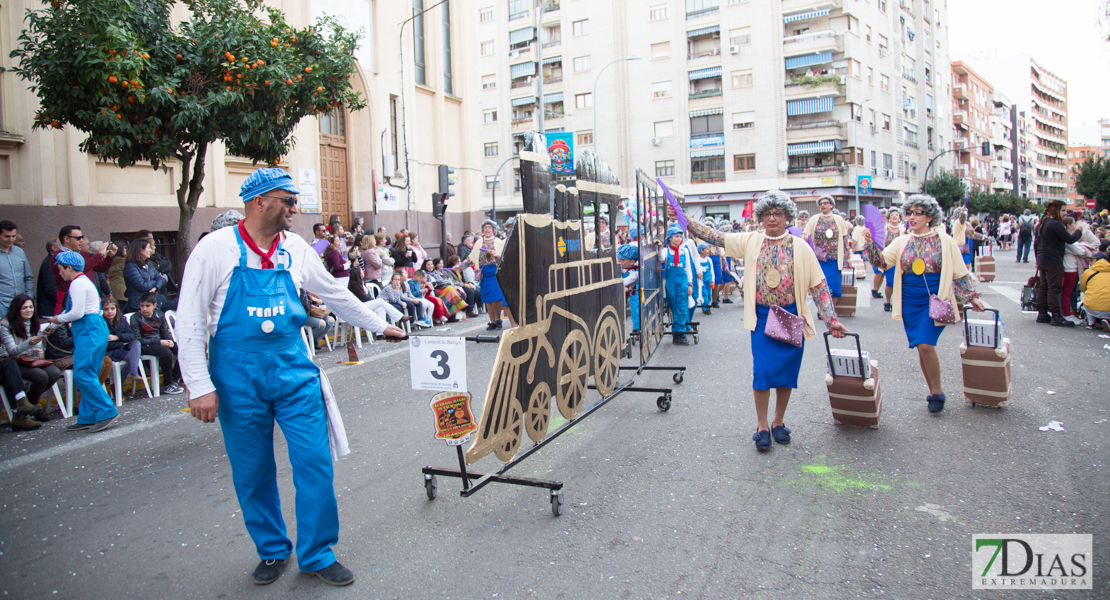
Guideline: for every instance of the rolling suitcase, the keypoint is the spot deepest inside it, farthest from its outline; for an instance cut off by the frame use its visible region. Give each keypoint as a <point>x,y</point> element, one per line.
<point>853,382</point>
<point>985,355</point>
<point>846,303</point>
<point>985,264</point>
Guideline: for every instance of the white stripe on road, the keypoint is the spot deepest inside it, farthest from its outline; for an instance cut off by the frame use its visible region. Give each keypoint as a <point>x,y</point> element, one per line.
<point>1008,293</point>
<point>88,439</point>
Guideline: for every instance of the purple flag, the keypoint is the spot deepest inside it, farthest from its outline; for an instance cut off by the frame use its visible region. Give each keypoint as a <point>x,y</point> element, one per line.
<point>874,223</point>
<point>678,212</point>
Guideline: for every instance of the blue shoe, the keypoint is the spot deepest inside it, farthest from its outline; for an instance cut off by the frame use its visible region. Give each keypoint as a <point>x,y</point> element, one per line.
<point>781,434</point>
<point>936,403</point>
<point>726,301</point>
<point>762,440</point>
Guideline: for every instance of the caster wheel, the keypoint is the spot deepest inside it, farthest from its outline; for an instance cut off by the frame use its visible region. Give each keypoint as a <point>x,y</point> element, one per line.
<point>556,503</point>
<point>431,487</point>
<point>664,403</point>
<point>677,377</point>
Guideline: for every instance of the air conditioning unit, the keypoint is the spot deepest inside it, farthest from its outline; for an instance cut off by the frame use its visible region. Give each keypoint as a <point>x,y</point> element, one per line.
<point>874,128</point>
<point>655,141</point>
<point>734,49</point>
<point>888,173</point>
<point>874,170</point>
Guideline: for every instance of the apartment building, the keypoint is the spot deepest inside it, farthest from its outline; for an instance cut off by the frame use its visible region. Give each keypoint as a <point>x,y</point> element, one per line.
<point>378,163</point>
<point>1077,155</point>
<point>1045,97</point>
<point>709,99</point>
<point>972,108</point>
<point>1104,131</point>
<point>1009,159</point>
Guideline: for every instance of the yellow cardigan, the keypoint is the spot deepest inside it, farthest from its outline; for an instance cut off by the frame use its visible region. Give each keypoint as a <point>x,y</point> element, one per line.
<point>843,228</point>
<point>952,267</point>
<point>807,273</point>
<point>959,232</point>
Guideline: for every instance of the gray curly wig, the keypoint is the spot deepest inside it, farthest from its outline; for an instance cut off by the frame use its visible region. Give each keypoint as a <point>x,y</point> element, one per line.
<point>826,197</point>
<point>491,223</point>
<point>889,211</point>
<point>775,199</point>
<point>860,220</point>
<point>226,219</point>
<point>803,213</point>
<point>928,204</point>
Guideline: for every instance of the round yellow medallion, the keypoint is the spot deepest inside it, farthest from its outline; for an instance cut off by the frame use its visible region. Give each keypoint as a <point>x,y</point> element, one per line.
<point>829,233</point>
<point>772,277</point>
<point>919,267</point>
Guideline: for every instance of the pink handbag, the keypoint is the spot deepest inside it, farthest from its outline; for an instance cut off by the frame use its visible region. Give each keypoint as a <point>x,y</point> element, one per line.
<point>940,310</point>
<point>785,326</point>
<point>822,255</point>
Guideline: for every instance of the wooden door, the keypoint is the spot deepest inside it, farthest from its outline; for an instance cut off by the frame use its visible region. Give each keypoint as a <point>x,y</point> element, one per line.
<point>335,198</point>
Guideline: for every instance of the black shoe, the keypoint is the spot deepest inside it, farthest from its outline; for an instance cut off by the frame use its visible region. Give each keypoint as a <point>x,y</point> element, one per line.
<point>268,571</point>
<point>492,327</point>
<point>888,307</point>
<point>1058,321</point>
<point>1025,261</point>
<point>499,325</point>
<point>936,403</point>
<point>680,340</point>
<point>335,574</point>
<point>1043,318</point>
<point>79,426</point>
<point>715,305</point>
<point>103,424</point>
<point>726,301</point>
<point>876,294</point>
<point>39,414</point>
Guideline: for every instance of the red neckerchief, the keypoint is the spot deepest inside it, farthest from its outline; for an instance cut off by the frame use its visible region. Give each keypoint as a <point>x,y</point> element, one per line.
<point>674,250</point>
<point>266,262</point>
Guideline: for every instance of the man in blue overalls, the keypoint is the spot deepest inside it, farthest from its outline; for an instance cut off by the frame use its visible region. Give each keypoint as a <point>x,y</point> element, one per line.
<point>678,272</point>
<point>245,303</point>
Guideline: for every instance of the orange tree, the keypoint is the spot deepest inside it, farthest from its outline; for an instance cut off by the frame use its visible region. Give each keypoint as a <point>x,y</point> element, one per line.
<point>149,91</point>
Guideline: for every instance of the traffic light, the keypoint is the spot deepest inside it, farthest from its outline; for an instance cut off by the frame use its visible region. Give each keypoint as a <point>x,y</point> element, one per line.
<point>439,200</point>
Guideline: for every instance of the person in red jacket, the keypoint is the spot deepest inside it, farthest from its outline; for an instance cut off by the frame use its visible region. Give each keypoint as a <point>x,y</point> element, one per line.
<point>70,236</point>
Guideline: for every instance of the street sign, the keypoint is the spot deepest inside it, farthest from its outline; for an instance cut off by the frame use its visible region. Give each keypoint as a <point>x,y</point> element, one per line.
<point>437,363</point>
<point>1092,203</point>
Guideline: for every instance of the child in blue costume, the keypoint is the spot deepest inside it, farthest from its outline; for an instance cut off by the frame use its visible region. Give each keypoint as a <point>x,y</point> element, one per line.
<point>629,256</point>
<point>705,294</point>
<point>678,275</point>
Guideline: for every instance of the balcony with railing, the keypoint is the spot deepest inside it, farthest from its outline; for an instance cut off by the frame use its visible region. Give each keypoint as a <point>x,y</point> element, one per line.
<point>704,53</point>
<point>812,43</point>
<point>707,177</point>
<point>522,82</point>
<point>705,12</point>
<point>911,144</point>
<point>959,91</point>
<point>706,93</point>
<point>790,7</point>
<point>813,85</point>
<point>519,15</point>
<point>908,75</point>
<point>816,130</point>
<point>802,170</point>
<point>960,116</point>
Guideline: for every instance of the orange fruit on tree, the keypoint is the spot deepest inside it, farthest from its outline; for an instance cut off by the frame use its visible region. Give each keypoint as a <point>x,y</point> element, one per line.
<point>319,89</point>
<point>308,69</point>
<point>112,79</point>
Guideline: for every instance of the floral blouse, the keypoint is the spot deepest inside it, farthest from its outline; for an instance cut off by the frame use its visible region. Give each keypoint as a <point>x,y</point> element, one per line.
<point>928,250</point>
<point>781,257</point>
<point>485,256</point>
<point>820,239</point>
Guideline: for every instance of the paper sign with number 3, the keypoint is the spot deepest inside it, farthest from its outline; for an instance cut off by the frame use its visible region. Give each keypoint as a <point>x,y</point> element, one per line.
<point>438,363</point>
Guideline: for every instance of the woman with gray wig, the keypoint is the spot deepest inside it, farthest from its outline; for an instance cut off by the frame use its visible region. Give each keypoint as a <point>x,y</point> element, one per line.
<point>893,230</point>
<point>829,235</point>
<point>926,262</point>
<point>780,270</point>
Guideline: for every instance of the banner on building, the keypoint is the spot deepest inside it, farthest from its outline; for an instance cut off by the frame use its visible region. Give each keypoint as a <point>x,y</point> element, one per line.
<point>560,147</point>
<point>387,198</point>
<point>863,185</point>
<point>308,201</point>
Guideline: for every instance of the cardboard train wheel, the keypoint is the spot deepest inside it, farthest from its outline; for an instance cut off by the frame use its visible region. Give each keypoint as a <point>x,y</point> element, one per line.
<point>538,413</point>
<point>607,347</point>
<point>506,450</point>
<point>574,371</point>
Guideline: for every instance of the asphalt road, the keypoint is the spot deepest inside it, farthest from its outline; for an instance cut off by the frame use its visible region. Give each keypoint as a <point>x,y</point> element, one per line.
<point>675,504</point>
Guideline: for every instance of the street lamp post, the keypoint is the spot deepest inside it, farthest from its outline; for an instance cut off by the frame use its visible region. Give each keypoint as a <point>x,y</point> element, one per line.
<point>856,151</point>
<point>594,96</point>
<point>493,190</point>
<point>925,181</point>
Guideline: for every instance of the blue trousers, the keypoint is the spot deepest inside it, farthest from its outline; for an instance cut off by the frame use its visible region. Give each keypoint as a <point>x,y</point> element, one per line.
<point>255,390</point>
<point>634,308</point>
<point>1023,247</point>
<point>90,342</point>
<point>677,295</point>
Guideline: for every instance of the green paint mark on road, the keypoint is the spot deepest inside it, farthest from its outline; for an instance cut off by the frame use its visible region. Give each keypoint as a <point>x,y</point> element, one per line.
<point>838,479</point>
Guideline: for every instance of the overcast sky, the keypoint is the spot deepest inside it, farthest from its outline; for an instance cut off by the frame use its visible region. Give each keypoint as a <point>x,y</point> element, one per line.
<point>1063,36</point>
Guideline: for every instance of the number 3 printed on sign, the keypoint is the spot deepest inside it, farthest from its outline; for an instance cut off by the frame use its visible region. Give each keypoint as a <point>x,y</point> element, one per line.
<point>441,361</point>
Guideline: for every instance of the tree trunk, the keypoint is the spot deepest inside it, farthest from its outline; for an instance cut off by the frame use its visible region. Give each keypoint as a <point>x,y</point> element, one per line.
<point>188,194</point>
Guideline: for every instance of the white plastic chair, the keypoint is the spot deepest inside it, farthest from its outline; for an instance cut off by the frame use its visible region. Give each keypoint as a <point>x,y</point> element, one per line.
<point>171,319</point>
<point>306,337</point>
<point>57,398</point>
<point>155,373</point>
<point>117,381</point>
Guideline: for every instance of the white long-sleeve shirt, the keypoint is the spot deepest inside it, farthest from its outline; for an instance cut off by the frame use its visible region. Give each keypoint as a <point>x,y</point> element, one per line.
<point>85,299</point>
<point>204,287</point>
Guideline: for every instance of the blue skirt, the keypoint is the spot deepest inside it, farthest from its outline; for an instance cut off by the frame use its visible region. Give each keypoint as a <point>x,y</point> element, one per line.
<point>832,276</point>
<point>967,258</point>
<point>490,288</point>
<point>920,329</point>
<point>775,364</point>
<point>889,276</point>
<point>716,261</point>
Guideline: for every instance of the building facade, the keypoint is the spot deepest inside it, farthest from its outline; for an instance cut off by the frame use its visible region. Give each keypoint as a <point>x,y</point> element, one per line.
<point>378,163</point>
<point>1045,97</point>
<point>972,108</point>
<point>1078,155</point>
<point>711,101</point>
<point>1104,133</point>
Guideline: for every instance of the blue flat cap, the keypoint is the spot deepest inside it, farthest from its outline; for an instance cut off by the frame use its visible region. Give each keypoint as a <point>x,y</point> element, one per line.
<point>70,259</point>
<point>628,252</point>
<point>265,180</point>
<point>674,230</point>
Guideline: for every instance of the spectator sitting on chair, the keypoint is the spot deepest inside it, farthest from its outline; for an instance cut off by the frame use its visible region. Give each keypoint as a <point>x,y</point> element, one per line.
<point>22,335</point>
<point>319,318</point>
<point>380,307</point>
<point>397,295</point>
<point>454,273</point>
<point>122,344</point>
<point>153,332</point>
<point>12,382</point>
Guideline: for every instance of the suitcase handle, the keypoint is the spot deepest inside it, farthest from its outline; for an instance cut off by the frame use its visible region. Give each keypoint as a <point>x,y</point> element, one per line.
<point>859,350</point>
<point>967,327</point>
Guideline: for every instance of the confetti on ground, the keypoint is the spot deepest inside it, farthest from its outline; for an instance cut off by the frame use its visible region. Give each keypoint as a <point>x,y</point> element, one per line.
<point>1100,421</point>
<point>1054,426</point>
<point>1050,392</point>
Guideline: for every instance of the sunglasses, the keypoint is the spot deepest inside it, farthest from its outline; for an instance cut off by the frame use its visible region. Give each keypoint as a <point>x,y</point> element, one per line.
<point>76,237</point>
<point>290,201</point>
